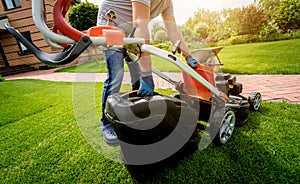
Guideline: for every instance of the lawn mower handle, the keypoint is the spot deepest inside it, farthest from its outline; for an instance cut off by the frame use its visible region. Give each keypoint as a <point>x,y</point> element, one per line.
<point>184,67</point>
<point>38,15</point>
<point>62,58</point>
<point>39,21</point>
<point>38,18</point>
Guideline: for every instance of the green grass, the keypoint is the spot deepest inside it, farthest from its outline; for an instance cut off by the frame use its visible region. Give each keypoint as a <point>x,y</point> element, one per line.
<point>87,67</point>
<point>280,57</point>
<point>48,136</point>
<point>100,67</point>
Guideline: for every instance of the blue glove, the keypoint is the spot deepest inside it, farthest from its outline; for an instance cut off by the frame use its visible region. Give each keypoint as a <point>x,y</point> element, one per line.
<point>191,61</point>
<point>146,84</point>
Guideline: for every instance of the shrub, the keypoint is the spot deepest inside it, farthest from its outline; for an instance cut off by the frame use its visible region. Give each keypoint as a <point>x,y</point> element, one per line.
<point>297,34</point>
<point>241,39</point>
<point>163,45</point>
<point>287,15</point>
<point>188,35</point>
<point>269,29</point>
<point>278,36</point>
<point>220,34</point>
<point>82,16</point>
<point>161,36</point>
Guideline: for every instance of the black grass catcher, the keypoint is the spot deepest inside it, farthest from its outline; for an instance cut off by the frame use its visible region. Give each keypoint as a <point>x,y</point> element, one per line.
<point>153,131</point>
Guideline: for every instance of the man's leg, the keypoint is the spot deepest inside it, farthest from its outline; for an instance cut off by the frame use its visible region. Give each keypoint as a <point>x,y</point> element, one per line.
<point>115,72</point>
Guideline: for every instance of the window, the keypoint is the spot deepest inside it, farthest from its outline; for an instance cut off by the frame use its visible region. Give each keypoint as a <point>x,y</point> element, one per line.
<point>10,4</point>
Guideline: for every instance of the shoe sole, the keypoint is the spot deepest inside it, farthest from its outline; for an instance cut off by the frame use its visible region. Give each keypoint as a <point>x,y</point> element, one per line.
<point>111,142</point>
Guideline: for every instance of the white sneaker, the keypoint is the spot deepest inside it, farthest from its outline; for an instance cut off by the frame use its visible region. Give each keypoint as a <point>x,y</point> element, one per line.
<point>109,134</point>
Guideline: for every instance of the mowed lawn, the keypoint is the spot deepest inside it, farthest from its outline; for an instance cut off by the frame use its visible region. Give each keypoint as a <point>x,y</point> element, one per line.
<point>44,139</point>
<point>279,57</point>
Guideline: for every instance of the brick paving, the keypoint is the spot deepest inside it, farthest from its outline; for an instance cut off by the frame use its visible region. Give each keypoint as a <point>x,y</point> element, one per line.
<point>275,88</point>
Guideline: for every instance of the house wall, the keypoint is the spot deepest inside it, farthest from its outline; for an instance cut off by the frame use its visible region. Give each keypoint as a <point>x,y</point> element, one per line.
<point>21,19</point>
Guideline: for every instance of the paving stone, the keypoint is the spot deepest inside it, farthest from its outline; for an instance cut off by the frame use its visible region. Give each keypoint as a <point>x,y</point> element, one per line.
<point>272,87</point>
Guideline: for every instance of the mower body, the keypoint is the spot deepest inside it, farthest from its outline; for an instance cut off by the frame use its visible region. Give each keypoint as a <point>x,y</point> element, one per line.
<point>209,68</point>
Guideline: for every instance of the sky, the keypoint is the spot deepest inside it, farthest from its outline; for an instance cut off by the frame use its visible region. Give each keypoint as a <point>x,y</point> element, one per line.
<point>185,9</point>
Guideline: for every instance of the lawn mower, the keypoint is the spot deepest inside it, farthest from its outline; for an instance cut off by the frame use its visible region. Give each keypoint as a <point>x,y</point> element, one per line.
<point>154,131</point>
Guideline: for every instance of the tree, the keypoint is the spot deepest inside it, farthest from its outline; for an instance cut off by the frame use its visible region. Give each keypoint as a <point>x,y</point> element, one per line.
<point>247,20</point>
<point>156,28</point>
<point>203,23</point>
<point>188,35</point>
<point>288,15</point>
<point>230,22</point>
<point>161,36</point>
<point>82,16</point>
<point>201,29</point>
<point>250,20</point>
<point>269,6</point>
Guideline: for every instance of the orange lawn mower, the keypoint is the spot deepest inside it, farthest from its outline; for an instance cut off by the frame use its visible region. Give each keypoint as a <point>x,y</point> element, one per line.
<point>154,131</point>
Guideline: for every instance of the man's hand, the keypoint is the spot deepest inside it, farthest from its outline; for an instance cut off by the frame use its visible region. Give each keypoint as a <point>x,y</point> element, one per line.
<point>146,84</point>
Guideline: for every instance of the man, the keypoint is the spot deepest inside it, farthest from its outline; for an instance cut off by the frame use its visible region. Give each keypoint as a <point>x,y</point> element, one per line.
<point>134,13</point>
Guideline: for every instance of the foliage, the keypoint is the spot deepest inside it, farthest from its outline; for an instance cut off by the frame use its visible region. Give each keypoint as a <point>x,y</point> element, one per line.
<point>202,29</point>
<point>269,6</point>
<point>1,79</point>
<point>229,22</point>
<point>241,39</point>
<point>288,15</point>
<point>250,20</point>
<point>226,28</point>
<point>270,29</point>
<point>82,16</point>
<point>280,36</point>
<point>203,23</point>
<point>161,36</point>
<point>167,45</point>
<point>156,27</point>
<point>188,35</point>
<point>283,15</point>
<point>264,19</point>
<point>42,143</point>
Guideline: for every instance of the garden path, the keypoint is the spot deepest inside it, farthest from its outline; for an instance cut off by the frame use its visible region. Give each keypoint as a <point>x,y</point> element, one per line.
<point>276,88</point>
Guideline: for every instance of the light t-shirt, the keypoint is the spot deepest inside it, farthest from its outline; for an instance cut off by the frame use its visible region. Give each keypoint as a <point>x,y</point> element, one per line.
<point>123,10</point>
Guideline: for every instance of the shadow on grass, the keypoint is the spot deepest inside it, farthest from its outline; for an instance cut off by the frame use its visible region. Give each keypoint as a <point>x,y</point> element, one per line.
<point>259,152</point>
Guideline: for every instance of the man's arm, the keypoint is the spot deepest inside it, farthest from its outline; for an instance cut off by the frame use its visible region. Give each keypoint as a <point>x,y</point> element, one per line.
<point>141,18</point>
<point>174,33</point>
